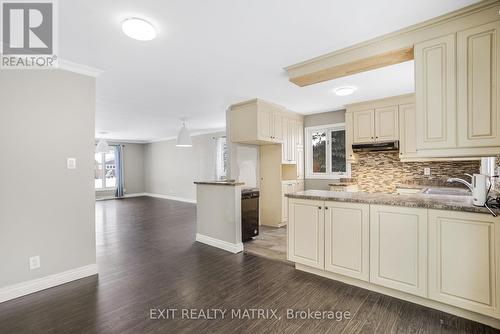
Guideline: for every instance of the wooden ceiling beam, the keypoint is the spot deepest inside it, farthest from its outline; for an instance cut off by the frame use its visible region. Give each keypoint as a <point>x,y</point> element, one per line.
<point>357,66</point>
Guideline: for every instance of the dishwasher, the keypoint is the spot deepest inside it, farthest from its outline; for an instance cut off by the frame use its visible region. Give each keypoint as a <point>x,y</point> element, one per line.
<point>249,213</point>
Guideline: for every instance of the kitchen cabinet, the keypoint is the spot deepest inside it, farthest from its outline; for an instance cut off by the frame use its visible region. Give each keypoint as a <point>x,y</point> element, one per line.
<point>435,89</point>
<point>347,239</point>
<point>289,147</point>
<point>256,122</point>
<point>349,128</point>
<point>380,124</point>
<point>364,126</point>
<point>300,163</point>
<point>306,233</point>
<point>386,123</point>
<point>407,133</point>
<point>463,260</point>
<point>478,90</point>
<point>289,187</point>
<point>398,248</point>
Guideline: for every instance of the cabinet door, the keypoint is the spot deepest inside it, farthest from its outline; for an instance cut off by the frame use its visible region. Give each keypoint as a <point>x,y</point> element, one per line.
<point>349,136</point>
<point>265,123</point>
<point>306,232</point>
<point>300,162</point>
<point>347,239</point>
<point>407,133</point>
<point>285,146</point>
<point>435,93</point>
<point>364,126</point>
<point>277,126</point>
<point>386,123</point>
<point>398,248</point>
<point>299,127</point>
<point>462,269</point>
<point>284,202</point>
<point>478,90</point>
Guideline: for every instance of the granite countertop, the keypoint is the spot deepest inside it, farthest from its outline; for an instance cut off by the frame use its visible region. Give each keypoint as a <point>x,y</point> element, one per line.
<point>221,183</point>
<point>439,202</point>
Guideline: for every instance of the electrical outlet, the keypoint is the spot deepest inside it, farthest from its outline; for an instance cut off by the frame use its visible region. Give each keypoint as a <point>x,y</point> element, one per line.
<point>71,163</point>
<point>34,262</point>
<point>427,171</point>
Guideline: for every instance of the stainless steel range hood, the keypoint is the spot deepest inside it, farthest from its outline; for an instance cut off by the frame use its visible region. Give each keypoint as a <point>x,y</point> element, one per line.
<point>392,145</point>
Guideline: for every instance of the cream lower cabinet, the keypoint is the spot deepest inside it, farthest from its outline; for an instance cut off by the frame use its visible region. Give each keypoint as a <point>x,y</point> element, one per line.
<point>463,261</point>
<point>347,239</point>
<point>306,233</point>
<point>398,248</point>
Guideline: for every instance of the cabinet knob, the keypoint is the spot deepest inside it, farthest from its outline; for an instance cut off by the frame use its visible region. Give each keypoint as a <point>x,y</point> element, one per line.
<point>326,208</point>
<point>319,207</point>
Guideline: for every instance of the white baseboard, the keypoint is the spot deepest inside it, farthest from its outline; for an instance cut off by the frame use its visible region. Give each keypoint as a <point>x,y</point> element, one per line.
<point>170,197</point>
<point>227,246</point>
<point>25,288</point>
<point>135,195</point>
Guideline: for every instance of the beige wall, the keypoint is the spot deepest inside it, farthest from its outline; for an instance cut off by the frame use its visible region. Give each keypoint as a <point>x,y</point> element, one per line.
<point>325,118</point>
<point>45,209</point>
<point>171,170</point>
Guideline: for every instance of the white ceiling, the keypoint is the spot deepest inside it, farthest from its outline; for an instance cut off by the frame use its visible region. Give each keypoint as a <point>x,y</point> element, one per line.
<point>210,54</point>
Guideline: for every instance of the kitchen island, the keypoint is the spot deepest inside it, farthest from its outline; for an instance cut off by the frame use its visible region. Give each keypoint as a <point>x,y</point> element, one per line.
<point>218,214</point>
<point>434,250</point>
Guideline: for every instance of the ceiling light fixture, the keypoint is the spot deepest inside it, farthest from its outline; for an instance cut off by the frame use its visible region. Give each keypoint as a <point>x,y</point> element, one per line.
<point>345,90</point>
<point>184,137</point>
<point>138,29</point>
<point>102,146</point>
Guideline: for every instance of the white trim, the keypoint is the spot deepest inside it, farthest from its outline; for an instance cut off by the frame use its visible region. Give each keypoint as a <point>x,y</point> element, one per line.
<point>171,197</point>
<point>25,288</point>
<point>308,153</point>
<point>135,195</point>
<point>66,65</point>
<point>227,246</point>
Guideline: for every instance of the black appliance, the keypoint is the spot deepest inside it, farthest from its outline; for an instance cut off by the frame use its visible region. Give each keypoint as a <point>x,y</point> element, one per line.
<point>249,213</point>
<point>377,146</point>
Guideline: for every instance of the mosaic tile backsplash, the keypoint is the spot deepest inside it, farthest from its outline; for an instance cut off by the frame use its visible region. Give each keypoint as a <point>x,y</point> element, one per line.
<point>382,171</point>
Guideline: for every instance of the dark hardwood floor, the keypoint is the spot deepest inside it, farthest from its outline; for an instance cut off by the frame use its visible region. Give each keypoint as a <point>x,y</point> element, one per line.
<point>148,259</point>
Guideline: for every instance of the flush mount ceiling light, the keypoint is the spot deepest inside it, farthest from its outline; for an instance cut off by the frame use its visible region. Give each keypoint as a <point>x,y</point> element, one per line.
<point>345,90</point>
<point>184,137</point>
<point>138,29</point>
<point>102,146</point>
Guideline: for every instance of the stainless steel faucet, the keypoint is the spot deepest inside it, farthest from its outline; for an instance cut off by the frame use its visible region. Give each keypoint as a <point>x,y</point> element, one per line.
<point>462,181</point>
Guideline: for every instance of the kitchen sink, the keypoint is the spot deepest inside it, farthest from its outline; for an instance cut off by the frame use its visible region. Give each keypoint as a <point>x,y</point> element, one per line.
<point>447,191</point>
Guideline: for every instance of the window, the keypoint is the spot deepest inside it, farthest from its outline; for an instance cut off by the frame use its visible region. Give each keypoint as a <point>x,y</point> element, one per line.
<point>104,166</point>
<point>222,158</point>
<point>325,152</point>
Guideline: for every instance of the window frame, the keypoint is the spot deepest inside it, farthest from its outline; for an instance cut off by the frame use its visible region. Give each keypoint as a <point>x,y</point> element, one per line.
<point>328,128</point>
<point>103,165</point>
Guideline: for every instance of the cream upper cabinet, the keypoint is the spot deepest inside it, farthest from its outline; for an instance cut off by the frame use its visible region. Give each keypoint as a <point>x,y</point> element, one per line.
<point>347,239</point>
<point>398,248</point>
<point>349,137</point>
<point>300,163</point>
<point>407,132</point>
<point>379,124</point>
<point>463,260</point>
<point>435,89</point>
<point>363,126</point>
<point>386,123</point>
<point>306,224</point>
<point>256,122</point>
<point>289,140</point>
<point>478,90</point>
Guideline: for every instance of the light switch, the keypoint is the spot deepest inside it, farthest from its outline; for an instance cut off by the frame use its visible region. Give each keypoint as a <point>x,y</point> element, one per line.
<point>71,163</point>
<point>427,171</point>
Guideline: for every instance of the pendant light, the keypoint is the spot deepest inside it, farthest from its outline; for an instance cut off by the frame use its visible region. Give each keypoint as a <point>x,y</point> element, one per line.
<point>184,137</point>
<point>102,146</point>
